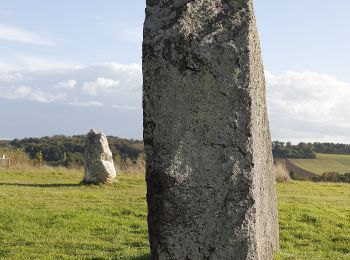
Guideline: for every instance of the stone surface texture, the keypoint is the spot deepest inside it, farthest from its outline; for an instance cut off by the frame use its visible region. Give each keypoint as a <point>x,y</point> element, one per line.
<point>99,165</point>
<point>210,186</point>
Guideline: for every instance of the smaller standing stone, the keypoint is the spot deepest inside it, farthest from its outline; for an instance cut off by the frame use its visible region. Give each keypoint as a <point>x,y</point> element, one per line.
<point>99,165</point>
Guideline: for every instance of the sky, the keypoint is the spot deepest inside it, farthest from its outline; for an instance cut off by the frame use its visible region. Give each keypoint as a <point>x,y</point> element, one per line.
<point>69,66</point>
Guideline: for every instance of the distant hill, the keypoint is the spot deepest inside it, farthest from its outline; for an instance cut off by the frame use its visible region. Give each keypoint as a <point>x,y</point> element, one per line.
<point>286,150</point>
<point>60,150</point>
<point>339,163</point>
<point>4,142</point>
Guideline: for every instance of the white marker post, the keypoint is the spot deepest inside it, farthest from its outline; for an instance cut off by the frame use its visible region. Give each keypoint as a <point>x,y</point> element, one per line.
<point>5,162</point>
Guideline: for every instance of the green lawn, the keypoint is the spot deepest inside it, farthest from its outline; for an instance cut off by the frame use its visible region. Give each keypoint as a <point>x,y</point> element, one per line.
<point>314,220</point>
<point>46,214</point>
<point>325,163</point>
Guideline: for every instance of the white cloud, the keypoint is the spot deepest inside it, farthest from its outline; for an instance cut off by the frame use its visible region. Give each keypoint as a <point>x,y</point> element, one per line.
<point>304,106</point>
<point>100,85</point>
<point>87,104</point>
<point>28,93</point>
<point>15,34</point>
<point>6,66</point>
<point>23,91</point>
<point>43,97</point>
<point>75,85</point>
<point>126,107</point>
<point>69,84</point>
<point>308,106</point>
<point>9,77</point>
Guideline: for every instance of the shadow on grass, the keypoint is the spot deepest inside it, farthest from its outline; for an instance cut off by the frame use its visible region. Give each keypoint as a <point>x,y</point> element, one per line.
<point>142,257</point>
<point>49,185</point>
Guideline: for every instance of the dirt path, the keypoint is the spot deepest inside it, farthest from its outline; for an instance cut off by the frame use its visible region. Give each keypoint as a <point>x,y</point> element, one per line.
<point>303,173</point>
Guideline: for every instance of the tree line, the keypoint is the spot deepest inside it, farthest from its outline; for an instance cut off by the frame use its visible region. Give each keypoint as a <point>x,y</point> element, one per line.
<point>68,151</point>
<point>325,177</point>
<point>307,150</point>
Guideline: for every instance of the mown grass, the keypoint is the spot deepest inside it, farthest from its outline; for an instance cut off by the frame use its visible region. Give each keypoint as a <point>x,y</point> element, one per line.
<point>325,163</point>
<point>47,214</point>
<point>314,220</point>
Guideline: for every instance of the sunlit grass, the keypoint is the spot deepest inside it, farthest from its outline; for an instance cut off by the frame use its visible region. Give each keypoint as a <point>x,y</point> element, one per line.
<point>325,163</point>
<point>47,214</point>
<point>314,220</point>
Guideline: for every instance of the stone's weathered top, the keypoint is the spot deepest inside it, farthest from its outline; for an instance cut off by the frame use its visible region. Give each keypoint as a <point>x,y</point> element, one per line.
<point>99,165</point>
<point>211,189</point>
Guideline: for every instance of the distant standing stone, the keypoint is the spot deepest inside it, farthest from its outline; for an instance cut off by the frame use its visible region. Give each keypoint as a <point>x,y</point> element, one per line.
<point>99,165</point>
<point>210,185</point>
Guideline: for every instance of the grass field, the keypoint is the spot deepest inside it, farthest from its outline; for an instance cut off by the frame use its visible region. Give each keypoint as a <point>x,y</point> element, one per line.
<point>325,163</point>
<point>47,214</point>
<point>314,220</point>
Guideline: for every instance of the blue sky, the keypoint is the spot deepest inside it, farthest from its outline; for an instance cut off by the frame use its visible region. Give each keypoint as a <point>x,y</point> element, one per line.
<point>68,66</point>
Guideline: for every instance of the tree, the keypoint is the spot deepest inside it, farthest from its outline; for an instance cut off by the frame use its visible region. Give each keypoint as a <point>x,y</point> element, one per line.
<point>39,158</point>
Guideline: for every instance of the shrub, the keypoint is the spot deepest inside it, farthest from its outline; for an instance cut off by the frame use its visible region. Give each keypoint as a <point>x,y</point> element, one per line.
<point>297,177</point>
<point>280,171</point>
<point>18,157</point>
<point>330,177</point>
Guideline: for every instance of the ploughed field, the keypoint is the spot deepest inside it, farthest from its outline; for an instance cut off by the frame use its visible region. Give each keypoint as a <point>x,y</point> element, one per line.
<point>325,163</point>
<point>47,214</point>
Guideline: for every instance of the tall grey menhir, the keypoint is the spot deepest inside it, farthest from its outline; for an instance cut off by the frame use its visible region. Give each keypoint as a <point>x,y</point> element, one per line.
<point>211,190</point>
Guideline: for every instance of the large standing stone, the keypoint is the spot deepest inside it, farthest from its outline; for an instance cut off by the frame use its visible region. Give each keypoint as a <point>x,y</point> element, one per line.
<point>99,165</point>
<point>211,189</point>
